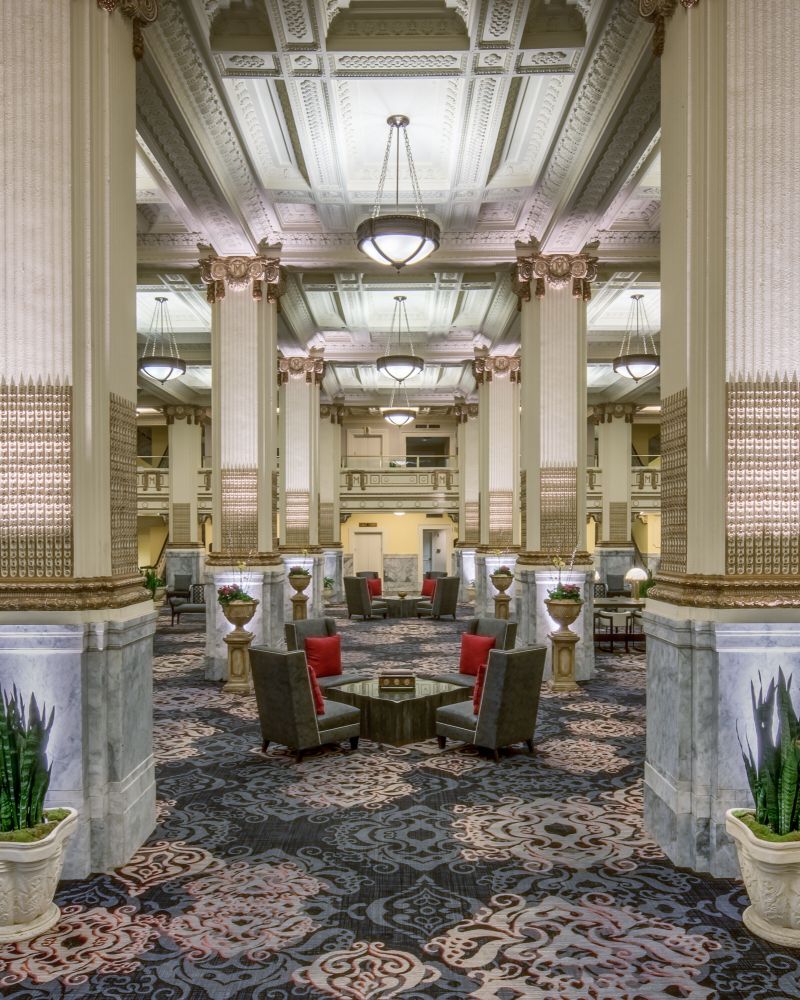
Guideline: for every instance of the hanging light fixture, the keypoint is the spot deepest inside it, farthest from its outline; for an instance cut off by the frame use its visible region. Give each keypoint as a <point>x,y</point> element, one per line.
<point>400,366</point>
<point>398,239</point>
<point>160,359</point>
<point>638,357</point>
<point>399,415</point>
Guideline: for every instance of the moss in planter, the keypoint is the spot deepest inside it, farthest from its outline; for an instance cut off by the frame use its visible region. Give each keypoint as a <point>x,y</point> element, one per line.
<point>764,832</point>
<point>52,818</point>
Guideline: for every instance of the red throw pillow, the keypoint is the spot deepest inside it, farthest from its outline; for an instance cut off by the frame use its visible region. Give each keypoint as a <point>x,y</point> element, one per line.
<point>324,655</point>
<point>474,652</point>
<point>375,586</point>
<point>428,587</point>
<point>316,693</point>
<point>477,691</point>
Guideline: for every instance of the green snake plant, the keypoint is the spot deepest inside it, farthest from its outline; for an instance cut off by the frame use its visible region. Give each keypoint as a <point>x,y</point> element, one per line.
<point>24,771</point>
<point>773,773</point>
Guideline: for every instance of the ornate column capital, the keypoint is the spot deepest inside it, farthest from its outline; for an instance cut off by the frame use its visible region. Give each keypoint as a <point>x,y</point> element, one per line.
<point>220,273</point>
<point>312,368</point>
<point>463,411</point>
<point>556,270</point>
<point>601,413</point>
<point>485,367</point>
<point>191,414</point>
<point>141,13</point>
<point>659,12</point>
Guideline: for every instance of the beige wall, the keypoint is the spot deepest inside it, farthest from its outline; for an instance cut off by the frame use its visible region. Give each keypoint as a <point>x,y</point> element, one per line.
<point>648,534</point>
<point>152,535</point>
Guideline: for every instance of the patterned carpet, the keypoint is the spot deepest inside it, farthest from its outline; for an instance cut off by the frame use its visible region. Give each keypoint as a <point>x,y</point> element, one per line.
<point>407,872</point>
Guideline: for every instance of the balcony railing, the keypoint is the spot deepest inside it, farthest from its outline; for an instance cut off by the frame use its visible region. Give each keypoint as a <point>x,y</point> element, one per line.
<point>380,462</point>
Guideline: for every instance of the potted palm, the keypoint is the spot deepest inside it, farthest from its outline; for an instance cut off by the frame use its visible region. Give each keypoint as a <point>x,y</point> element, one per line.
<point>152,581</point>
<point>767,837</point>
<point>32,838</point>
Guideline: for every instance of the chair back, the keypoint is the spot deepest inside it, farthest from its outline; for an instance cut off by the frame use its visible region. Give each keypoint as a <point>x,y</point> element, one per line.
<point>284,699</point>
<point>615,584</point>
<point>368,574</point>
<point>599,590</point>
<point>445,597</point>
<point>356,594</point>
<point>510,701</point>
<point>435,574</point>
<point>180,584</point>
<point>504,632</point>
<point>297,632</point>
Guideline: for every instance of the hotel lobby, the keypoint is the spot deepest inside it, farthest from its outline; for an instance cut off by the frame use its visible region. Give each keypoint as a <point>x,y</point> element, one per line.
<point>400,499</point>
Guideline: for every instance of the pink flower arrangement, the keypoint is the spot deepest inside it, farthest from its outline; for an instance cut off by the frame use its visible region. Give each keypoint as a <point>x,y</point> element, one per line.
<point>233,592</point>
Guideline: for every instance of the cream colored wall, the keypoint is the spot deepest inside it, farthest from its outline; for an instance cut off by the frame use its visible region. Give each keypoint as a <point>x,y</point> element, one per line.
<point>647,534</point>
<point>400,534</point>
<point>152,533</point>
<point>160,443</point>
<point>591,535</point>
<point>394,438</point>
<point>640,436</point>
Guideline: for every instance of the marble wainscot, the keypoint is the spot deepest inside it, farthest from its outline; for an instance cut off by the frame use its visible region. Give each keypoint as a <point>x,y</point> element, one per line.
<point>535,624</point>
<point>315,564</point>
<point>266,584</point>
<point>464,569</point>
<point>613,559</point>
<point>698,688</point>
<point>347,564</point>
<point>184,561</point>
<point>400,572</point>
<point>332,560</point>
<point>97,675</point>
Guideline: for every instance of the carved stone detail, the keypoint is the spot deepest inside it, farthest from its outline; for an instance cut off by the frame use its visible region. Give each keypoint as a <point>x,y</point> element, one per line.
<point>122,486</point>
<point>191,414</point>
<point>35,481</point>
<point>674,431</point>
<point>707,591</point>
<point>311,368</point>
<point>659,12</point>
<point>239,511</point>
<point>463,411</point>
<point>558,505</point>
<point>556,270</point>
<point>485,368</point>
<point>239,272</point>
<point>141,13</point>
<point>604,413</point>
<point>73,595</point>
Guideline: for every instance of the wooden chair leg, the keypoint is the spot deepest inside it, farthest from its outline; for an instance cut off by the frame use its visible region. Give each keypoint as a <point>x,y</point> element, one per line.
<point>496,755</point>
<point>264,746</point>
<point>442,741</point>
<point>298,756</point>
<point>529,744</point>
<point>354,743</point>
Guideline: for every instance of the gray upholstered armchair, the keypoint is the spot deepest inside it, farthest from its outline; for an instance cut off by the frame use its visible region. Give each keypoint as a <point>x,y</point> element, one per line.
<point>356,594</point>
<point>286,705</point>
<point>296,635</point>
<point>509,705</point>
<point>505,635</point>
<point>444,600</point>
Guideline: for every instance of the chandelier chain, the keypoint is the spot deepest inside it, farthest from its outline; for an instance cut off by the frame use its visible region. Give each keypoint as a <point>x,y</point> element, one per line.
<point>414,179</point>
<point>376,208</point>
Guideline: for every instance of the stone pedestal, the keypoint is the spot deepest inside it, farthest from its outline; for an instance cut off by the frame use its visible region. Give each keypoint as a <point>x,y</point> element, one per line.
<point>266,584</point>
<point>239,614</point>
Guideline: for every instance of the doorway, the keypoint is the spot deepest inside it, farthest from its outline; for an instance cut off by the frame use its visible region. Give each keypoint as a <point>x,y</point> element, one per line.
<point>434,550</point>
<point>368,551</point>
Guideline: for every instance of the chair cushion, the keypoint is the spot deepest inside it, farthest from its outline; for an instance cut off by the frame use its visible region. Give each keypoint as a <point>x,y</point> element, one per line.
<point>316,693</point>
<point>335,680</point>
<point>197,593</point>
<point>428,587</point>
<point>336,715</point>
<point>474,652</point>
<point>375,586</point>
<point>460,715</point>
<point>477,691</point>
<point>324,655</point>
<point>462,680</point>
<point>186,608</point>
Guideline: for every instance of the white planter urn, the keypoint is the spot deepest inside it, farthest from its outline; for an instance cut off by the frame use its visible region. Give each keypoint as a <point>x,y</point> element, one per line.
<point>771,875</point>
<point>29,874</point>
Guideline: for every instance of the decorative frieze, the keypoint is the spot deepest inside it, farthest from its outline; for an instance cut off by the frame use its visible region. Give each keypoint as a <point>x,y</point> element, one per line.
<point>141,13</point>
<point>486,367</point>
<point>35,481</point>
<point>731,592</point>
<point>239,511</point>
<point>122,486</point>
<point>601,413</point>
<point>556,270</point>
<point>558,506</point>
<point>674,469</point>
<point>501,518</point>
<point>463,411</point>
<point>763,510</point>
<point>191,414</point>
<point>659,12</point>
<point>219,273</point>
<point>311,368</point>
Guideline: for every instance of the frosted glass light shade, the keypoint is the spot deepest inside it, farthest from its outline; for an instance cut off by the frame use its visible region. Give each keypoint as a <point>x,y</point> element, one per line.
<point>400,366</point>
<point>636,573</point>
<point>637,366</point>
<point>398,415</point>
<point>398,240</point>
<point>161,368</point>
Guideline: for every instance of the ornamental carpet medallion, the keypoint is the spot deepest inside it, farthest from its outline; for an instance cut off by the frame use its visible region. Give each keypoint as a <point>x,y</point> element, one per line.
<point>412,873</point>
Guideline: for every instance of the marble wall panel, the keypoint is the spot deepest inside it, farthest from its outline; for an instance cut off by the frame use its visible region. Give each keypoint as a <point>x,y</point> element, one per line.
<point>401,572</point>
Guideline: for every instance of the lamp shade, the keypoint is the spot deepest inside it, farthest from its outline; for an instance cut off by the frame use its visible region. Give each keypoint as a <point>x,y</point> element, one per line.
<point>398,240</point>
<point>636,573</point>
<point>398,415</point>
<point>159,359</point>
<point>161,368</point>
<point>400,366</point>
<point>637,366</point>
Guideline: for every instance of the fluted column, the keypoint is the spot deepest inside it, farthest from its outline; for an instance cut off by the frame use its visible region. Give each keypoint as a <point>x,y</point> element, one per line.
<point>330,461</point>
<point>469,494</point>
<point>614,551</point>
<point>553,455</point>
<point>75,624</point>
<point>184,552</point>
<point>726,604</point>
<point>244,441</point>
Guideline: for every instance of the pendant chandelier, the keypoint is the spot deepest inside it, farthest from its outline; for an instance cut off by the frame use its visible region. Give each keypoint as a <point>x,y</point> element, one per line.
<point>400,366</point>
<point>399,415</point>
<point>638,357</point>
<point>160,359</point>
<point>398,239</point>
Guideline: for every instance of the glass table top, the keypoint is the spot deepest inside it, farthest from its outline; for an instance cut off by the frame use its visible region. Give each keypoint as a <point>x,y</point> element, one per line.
<point>424,688</point>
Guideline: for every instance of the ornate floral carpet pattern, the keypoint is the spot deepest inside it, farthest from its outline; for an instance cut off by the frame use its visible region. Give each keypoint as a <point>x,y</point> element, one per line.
<point>408,872</point>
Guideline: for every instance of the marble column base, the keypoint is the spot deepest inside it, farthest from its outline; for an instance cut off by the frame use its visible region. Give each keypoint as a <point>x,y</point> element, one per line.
<point>464,569</point>
<point>332,560</point>
<point>347,564</point>
<point>535,624</point>
<point>485,590</point>
<point>266,584</point>
<point>698,688</point>
<point>616,559</point>
<point>184,562</point>
<point>97,675</point>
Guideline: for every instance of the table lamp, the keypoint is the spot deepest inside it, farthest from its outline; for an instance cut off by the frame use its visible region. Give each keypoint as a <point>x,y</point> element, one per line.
<point>634,577</point>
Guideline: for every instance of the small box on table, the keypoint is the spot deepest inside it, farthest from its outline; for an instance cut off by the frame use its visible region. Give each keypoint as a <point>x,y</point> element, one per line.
<point>396,680</point>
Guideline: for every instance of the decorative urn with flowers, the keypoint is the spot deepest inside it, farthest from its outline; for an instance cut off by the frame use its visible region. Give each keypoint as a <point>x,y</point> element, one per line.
<point>502,579</point>
<point>299,579</point>
<point>238,607</point>
<point>564,603</point>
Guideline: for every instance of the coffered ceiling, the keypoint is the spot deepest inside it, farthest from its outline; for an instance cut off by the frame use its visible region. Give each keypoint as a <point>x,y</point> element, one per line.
<point>266,119</point>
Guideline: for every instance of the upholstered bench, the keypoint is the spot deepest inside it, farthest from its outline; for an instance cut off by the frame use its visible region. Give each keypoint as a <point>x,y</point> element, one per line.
<point>194,605</point>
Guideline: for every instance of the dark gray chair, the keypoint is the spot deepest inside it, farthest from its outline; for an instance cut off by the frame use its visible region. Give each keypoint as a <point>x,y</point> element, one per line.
<point>368,574</point>
<point>505,637</point>
<point>600,590</point>
<point>194,605</point>
<point>615,585</point>
<point>356,593</point>
<point>435,574</point>
<point>444,601</point>
<point>509,704</point>
<point>296,635</point>
<point>286,705</point>
<point>180,586</point>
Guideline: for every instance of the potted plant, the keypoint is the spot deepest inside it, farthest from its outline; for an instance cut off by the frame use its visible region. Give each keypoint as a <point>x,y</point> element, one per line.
<point>32,838</point>
<point>564,601</point>
<point>299,578</point>
<point>237,605</point>
<point>502,578</point>
<point>327,587</point>
<point>767,838</point>
<point>471,591</point>
<point>152,581</point>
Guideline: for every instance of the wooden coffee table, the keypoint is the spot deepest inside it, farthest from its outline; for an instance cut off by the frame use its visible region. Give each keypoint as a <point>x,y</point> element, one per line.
<point>398,717</point>
<point>402,607</point>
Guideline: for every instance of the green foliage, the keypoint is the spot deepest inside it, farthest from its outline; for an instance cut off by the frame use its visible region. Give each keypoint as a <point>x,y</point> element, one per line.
<point>152,581</point>
<point>329,583</point>
<point>24,772</point>
<point>773,773</point>
<point>298,571</point>
<point>645,586</point>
